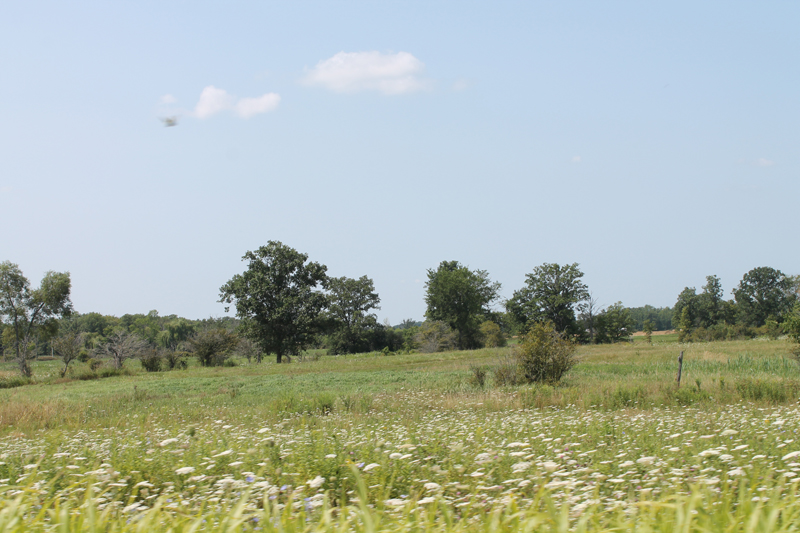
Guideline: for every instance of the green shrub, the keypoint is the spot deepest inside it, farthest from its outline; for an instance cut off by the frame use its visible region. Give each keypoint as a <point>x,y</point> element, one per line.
<point>151,360</point>
<point>213,347</point>
<point>173,359</point>
<point>544,355</point>
<point>491,335</point>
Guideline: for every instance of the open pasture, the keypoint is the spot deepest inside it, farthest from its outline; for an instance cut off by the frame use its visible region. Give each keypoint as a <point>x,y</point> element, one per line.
<point>408,442</point>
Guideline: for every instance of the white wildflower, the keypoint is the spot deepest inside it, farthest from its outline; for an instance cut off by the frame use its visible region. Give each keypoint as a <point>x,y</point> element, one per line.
<point>785,457</point>
<point>520,467</point>
<point>432,486</point>
<point>316,482</point>
<point>222,454</point>
<point>166,442</point>
<point>185,470</point>
<point>371,466</point>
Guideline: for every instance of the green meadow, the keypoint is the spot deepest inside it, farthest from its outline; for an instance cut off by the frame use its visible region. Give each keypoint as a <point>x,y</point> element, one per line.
<point>410,442</point>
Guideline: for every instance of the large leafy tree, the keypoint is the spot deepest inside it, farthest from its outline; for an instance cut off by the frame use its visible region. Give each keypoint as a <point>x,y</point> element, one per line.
<point>764,292</point>
<point>31,312</point>
<point>461,298</point>
<point>278,298</point>
<point>614,324</point>
<point>349,304</point>
<point>552,292</point>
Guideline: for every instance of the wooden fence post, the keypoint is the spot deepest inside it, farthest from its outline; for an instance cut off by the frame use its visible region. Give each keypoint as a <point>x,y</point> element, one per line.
<point>680,368</point>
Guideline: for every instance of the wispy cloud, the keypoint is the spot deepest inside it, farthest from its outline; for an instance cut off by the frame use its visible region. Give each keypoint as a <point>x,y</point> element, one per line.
<point>576,159</point>
<point>167,99</point>
<point>247,107</point>
<point>213,100</point>
<point>762,162</point>
<point>348,72</point>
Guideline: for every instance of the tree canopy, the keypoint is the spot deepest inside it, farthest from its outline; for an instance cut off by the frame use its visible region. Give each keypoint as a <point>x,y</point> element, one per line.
<point>552,292</point>
<point>278,298</point>
<point>461,298</point>
<point>30,312</point>
<point>349,304</point>
<point>763,293</point>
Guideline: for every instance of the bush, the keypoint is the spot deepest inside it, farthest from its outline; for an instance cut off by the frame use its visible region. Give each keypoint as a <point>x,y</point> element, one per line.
<point>212,347</point>
<point>151,360</point>
<point>435,336</point>
<point>544,355</point>
<point>491,335</point>
<point>176,359</point>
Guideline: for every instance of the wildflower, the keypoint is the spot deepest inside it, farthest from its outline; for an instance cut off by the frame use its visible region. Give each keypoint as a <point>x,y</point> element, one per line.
<point>550,466</point>
<point>185,470</point>
<point>371,466</point>
<point>424,501</point>
<point>316,482</point>
<point>395,455</point>
<point>222,454</point>
<point>646,461</point>
<point>432,486</point>
<point>785,457</point>
<point>167,442</point>
<point>729,432</point>
<point>520,467</point>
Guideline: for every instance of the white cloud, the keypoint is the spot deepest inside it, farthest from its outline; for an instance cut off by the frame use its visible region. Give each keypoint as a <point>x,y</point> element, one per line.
<point>576,159</point>
<point>247,107</point>
<point>213,101</point>
<point>167,99</point>
<point>364,71</point>
<point>764,162</point>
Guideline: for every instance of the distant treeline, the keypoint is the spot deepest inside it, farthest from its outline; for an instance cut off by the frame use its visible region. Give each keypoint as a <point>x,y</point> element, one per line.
<point>661,317</point>
<point>286,305</point>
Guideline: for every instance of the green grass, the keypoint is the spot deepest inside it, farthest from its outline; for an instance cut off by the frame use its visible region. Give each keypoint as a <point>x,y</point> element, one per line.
<point>407,442</point>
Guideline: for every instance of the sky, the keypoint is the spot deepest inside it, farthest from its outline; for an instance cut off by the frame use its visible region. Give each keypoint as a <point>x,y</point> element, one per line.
<point>653,144</point>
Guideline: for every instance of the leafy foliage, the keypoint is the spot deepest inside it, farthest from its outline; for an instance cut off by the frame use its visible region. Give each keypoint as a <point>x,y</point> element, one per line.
<point>69,347</point>
<point>552,293</point>
<point>491,335</point>
<point>544,354</point>
<point>31,312</point>
<point>213,346</point>
<point>764,292</point>
<point>614,324</point>
<point>461,298</point>
<point>277,298</point>
<point>350,321</point>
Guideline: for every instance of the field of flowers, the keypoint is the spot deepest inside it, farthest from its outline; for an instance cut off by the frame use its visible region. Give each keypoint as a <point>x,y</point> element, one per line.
<point>423,458</point>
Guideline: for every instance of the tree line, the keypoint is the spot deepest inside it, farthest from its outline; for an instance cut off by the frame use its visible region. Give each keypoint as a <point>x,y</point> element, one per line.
<point>285,304</point>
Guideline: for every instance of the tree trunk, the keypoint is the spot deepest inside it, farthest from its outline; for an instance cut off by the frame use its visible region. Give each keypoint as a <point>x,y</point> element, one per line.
<point>279,358</point>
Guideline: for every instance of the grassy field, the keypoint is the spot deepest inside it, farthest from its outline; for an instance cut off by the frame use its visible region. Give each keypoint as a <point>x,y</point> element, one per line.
<point>410,442</point>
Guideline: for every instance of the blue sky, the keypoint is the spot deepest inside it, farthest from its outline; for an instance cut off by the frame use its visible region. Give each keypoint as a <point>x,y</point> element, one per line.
<point>652,144</point>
